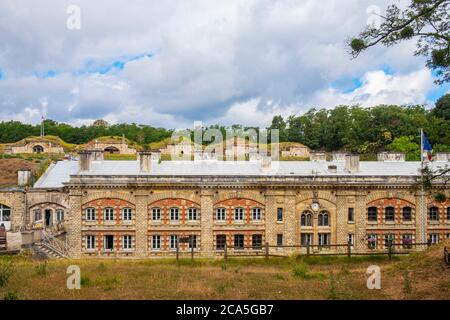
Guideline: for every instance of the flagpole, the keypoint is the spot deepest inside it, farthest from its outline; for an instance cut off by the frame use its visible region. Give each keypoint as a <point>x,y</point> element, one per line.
<point>424,212</point>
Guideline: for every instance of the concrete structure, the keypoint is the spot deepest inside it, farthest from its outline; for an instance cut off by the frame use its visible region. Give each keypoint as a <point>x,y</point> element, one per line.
<point>299,151</point>
<point>111,145</point>
<point>37,146</point>
<point>138,209</point>
<point>391,156</point>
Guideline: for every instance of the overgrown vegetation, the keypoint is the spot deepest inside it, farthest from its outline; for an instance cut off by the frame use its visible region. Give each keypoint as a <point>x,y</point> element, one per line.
<point>6,270</point>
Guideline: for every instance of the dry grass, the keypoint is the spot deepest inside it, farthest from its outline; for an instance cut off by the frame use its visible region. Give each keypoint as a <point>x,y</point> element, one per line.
<point>238,279</point>
<point>9,167</point>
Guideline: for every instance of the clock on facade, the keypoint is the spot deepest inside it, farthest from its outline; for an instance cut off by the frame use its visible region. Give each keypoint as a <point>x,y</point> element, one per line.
<point>315,206</point>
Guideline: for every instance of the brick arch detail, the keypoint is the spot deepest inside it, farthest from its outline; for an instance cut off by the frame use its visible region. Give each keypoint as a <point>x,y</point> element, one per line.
<point>40,204</point>
<point>125,196</point>
<point>238,202</point>
<point>108,202</point>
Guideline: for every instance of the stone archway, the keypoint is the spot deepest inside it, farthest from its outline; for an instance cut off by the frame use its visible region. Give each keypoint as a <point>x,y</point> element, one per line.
<point>38,149</point>
<point>112,150</point>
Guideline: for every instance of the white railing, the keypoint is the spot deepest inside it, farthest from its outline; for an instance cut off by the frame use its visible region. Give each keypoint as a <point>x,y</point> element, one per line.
<point>58,246</point>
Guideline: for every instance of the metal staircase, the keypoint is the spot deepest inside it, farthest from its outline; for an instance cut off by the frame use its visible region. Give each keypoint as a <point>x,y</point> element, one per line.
<point>51,246</point>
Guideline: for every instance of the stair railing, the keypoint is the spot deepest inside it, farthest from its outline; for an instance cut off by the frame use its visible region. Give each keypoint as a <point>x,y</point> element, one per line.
<point>52,243</point>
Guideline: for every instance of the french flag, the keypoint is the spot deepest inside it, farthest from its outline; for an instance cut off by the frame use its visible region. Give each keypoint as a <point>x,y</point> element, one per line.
<point>427,148</point>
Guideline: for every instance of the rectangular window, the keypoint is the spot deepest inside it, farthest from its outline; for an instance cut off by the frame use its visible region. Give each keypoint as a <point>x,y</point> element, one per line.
<point>192,214</point>
<point>126,214</point>
<point>407,240</point>
<point>279,239</point>
<point>239,241</point>
<point>448,235</point>
<point>351,215</point>
<point>90,214</point>
<point>389,214</point>
<point>37,215</point>
<point>389,239</point>
<point>173,240</point>
<point>306,239</point>
<point>108,242</point>
<point>90,242</point>
<point>192,244</point>
<point>156,214</point>
<point>174,214</point>
<point>372,241</point>
<point>221,214</point>
<point>279,214</point>
<point>127,243</point>
<point>448,213</point>
<point>221,240</point>
<point>156,242</point>
<point>351,239</point>
<point>434,238</point>
<point>257,241</point>
<point>59,215</point>
<point>256,214</point>
<point>372,214</point>
<point>324,239</point>
<point>239,214</point>
<point>433,214</point>
<point>108,214</point>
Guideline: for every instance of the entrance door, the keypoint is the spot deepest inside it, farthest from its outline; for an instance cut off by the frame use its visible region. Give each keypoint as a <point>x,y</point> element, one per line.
<point>48,218</point>
<point>5,216</point>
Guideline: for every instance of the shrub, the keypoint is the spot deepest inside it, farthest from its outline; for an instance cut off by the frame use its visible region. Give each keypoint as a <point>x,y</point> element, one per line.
<point>41,269</point>
<point>11,295</point>
<point>6,270</point>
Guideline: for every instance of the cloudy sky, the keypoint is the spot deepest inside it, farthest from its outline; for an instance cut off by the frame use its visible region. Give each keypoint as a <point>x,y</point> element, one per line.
<point>170,63</point>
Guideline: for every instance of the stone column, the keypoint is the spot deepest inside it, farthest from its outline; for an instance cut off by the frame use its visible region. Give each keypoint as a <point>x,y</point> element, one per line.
<point>421,220</point>
<point>341,218</point>
<point>274,199</point>
<point>142,218</point>
<point>360,221</point>
<point>290,236</point>
<point>206,217</point>
<point>74,224</point>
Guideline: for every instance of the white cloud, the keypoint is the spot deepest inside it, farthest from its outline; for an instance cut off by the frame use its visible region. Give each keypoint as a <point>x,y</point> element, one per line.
<point>210,60</point>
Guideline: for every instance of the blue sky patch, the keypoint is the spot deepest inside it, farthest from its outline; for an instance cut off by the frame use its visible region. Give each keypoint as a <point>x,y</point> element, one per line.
<point>92,66</point>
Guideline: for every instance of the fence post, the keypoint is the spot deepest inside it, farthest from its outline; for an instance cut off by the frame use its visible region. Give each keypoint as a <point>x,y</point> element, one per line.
<point>308,249</point>
<point>390,250</point>
<point>192,248</point>
<point>225,252</point>
<point>178,250</point>
<point>349,249</point>
<point>267,250</point>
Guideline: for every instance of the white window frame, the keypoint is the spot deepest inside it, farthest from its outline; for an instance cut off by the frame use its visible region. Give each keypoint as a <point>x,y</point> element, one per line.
<point>373,244</point>
<point>192,213</point>
<point>174,212</point>
<point>324,239</point>
<point>351,239</point>
<point>195,241</point>
<point>156,213</point>
<point>173,238</point>
<point>108,212</point>
<point>91,244</point>
<point>127,242</point>
<point>59,215</point>
<point>239,213</point>
<point>127,214</point>
<point>156,242</point>
<point>104,242</point>
<point>390,237</point>
<point>308,237</point>
<point>221,214</point>
<point>256,214</point>
<point>91,214</point>
<point>434,237</point>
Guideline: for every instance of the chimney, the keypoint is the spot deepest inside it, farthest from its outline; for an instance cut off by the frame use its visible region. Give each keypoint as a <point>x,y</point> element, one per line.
<point>352,163</point>
<point>338,156</point>
<point>318,156</point>
<point>266,164</point>
<point>442,156</point>
<point>85,160</point>
<point>23,177</point>
<point>97,155</point>
<point>391,156</point>
<point>145,161</point>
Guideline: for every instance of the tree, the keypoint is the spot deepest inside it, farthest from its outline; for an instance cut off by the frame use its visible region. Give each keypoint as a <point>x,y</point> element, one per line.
<point>428,21</point>
<point>442,108</point>
<point>279,123</point>
<point>406,145</point>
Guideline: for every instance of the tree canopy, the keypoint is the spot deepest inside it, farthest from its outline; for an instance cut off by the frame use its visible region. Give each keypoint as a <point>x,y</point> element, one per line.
<point>428,21</point>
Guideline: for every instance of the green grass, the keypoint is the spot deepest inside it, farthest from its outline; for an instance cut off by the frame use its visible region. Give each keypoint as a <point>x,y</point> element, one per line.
<point>112,156</point>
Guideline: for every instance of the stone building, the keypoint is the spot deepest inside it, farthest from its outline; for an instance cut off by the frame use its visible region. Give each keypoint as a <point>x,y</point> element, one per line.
<point>37,146</point>
<point>143,208</point>
<point>111,145</point>
<point>299,151</point>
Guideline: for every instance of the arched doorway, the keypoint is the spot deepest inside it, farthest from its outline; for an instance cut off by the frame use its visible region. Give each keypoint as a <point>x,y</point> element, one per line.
<point>5,216</point>
<point>38,149</point>
<point>112,150</point>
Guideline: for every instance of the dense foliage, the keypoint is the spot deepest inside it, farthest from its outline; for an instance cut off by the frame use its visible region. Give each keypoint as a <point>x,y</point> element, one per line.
<point>13,131</point>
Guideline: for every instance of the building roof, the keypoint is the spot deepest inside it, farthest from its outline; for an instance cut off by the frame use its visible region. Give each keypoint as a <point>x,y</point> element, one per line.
<point>60,172</point>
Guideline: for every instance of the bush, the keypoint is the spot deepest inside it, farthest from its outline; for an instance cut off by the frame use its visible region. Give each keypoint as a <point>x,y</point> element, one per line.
<point>301,271</point>
<point>11,295</point>
<point>41,269</point>
<point>6,270</point>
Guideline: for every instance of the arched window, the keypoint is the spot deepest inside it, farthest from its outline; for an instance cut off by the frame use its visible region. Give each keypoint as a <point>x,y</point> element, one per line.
<point>38,149</point>
<point>407,214</point>
<point>389,213</point>
<point>433,214</point>
<point>372,214</point>
<point>306,219</point>
<point>323,219</point>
